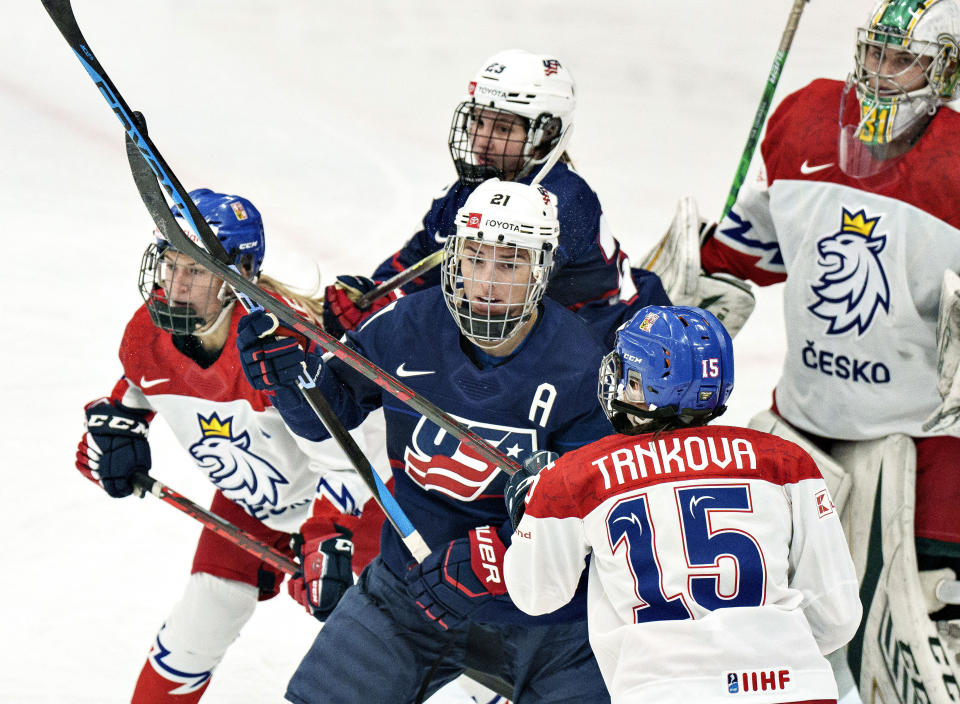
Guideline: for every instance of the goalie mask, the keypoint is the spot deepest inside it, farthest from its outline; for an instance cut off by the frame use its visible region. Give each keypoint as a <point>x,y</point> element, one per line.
<point>517,106</point>
<point>672,366</point>
<point>906,68</point>
<point>182,297</point>
<point>497,265</point>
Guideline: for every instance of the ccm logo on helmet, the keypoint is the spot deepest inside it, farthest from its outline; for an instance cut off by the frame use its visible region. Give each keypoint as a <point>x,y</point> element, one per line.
<point>473,219</point>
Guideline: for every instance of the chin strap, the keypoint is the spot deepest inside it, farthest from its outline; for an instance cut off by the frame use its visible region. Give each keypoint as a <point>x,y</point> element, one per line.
<point>663,418</point>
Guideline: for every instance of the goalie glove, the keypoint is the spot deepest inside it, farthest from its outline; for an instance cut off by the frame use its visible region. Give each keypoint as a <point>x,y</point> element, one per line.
<point>114,446</point>
<point>946,418</point>
<point>325,552</point>
<point>676,260</point>
<point>458,578</point>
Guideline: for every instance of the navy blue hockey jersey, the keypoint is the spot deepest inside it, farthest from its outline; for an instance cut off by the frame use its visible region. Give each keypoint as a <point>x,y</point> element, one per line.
<point>591,274</point>
<point>542,397</point>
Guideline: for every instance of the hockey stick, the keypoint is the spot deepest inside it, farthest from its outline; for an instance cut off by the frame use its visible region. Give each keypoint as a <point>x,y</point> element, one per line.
<point>156,205</point>
<point>405,276</point>
<point>145,484</point>
<point>786,39</point>
<point>62,15</point>
<point>432,260</point>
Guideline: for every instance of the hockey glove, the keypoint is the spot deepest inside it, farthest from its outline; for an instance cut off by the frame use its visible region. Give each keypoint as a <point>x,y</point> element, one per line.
<point>458,578</point>
<point>325,551</point>
<point>114,446</point>
<point>270,363</point>
<point>515,493</point>
<point>340,312</point>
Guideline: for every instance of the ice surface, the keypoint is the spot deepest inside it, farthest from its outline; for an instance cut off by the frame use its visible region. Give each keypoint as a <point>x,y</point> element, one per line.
<point>332,118</point>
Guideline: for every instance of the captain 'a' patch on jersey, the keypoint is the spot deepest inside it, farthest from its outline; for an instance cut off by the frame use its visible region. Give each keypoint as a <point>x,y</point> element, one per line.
<point>438,461</point>
<point>241,475</point>
<point>852,287</point>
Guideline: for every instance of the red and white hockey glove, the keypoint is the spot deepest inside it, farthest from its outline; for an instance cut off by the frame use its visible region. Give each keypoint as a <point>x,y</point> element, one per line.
<point>340,312</point>
<point>325,551</point>
<point>114,446</point>
<point>458,578</point>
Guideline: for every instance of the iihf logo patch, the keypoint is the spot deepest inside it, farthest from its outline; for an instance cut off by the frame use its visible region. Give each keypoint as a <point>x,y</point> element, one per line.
<point>733,684</point>
<point>473,220</point>
<point>241,475</point>
<point>853,284</point>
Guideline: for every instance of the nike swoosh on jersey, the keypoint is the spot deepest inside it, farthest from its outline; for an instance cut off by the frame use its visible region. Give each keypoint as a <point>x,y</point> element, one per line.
<point>805,168</point>
<point>402,371</point>
<point>147,383</point>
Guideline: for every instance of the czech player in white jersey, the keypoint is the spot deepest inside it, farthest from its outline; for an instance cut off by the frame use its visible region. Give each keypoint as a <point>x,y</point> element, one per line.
<point>718,569</point>
<point>180,361</point>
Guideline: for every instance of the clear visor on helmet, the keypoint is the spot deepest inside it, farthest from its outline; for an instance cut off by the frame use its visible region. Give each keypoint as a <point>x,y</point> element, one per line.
<point>486,142</point>
<point>895,86</point>
<point>181,296</point>
<point>491,290</point>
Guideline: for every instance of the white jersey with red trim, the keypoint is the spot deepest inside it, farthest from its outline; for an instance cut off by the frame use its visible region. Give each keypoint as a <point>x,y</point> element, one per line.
<point>718,568</point>
<point>231,430</point>
<point>862,260</point>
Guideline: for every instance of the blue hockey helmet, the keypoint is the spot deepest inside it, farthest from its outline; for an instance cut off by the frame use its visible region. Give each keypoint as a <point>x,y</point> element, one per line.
<point>180,296</point>
<point>672,366</point>
<point>236,223</point>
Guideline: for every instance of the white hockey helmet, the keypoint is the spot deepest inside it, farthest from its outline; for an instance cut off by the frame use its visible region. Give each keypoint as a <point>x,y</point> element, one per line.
<point>497,265</point>
<point>892,105</point>
<point>513,86</point>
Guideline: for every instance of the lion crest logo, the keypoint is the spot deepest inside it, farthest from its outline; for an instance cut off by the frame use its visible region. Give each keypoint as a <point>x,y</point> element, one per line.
<point>240,474</point>
<point>853,285</point>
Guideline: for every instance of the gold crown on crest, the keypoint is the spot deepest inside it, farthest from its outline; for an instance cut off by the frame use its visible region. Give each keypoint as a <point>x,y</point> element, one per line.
<point>858,223</point>
<point>213,427</point>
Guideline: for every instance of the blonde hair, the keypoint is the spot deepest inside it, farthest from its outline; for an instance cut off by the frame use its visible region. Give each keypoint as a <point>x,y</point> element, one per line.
<point>306,302</point>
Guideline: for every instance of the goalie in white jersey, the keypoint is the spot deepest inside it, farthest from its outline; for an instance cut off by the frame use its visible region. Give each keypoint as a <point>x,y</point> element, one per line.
<point>855,211</point>
<point>718,569</point>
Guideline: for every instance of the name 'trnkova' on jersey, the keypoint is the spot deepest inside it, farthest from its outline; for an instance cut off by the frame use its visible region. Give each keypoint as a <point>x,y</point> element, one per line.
<point>674,455</point>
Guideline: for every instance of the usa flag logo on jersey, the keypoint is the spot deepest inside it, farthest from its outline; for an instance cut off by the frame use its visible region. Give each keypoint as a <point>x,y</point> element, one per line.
<point>438,461</point>
<point>226,458</point>
<point>853,284</point>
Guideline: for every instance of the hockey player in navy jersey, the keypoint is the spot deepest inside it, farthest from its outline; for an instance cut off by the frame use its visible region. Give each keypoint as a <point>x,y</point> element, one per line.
<point>718,569</point>
<point>516,108</point>
<point>516,368</point>
<point>180,361</point>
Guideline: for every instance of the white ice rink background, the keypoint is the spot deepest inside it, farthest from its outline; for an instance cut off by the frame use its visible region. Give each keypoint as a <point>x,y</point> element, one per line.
<point>332,118</point>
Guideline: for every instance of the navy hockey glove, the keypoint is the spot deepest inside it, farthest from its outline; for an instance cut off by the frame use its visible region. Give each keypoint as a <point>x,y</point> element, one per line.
<point>114,446</point>
<point>515,493</point>
<point>270,363</point>
<point>457,579</point>
<point>325,551</point>
<point>340,312</point>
